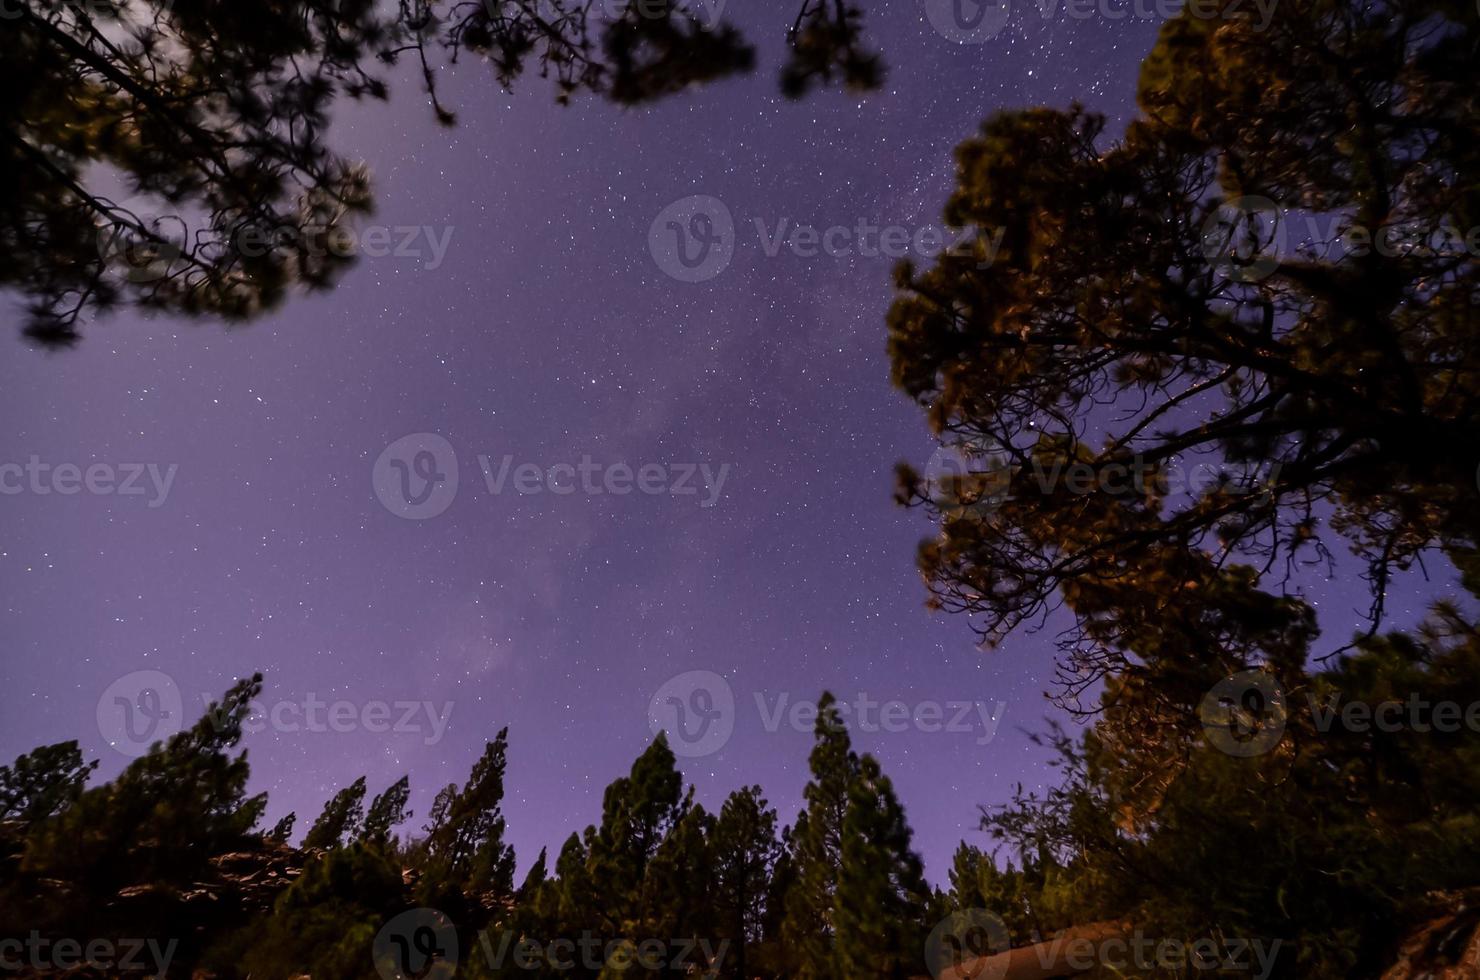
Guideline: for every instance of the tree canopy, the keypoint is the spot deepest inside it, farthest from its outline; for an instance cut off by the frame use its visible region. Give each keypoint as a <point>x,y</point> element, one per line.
<point>1250,317</point>
<point>172,154</point>
<point>715,892</point>
<point>1205,353</point>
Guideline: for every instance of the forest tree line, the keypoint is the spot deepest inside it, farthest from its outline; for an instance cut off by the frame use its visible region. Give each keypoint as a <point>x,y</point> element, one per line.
<point>1331,840</point>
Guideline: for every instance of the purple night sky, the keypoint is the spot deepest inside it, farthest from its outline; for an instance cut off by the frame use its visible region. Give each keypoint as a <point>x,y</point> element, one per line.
<point>546,333</point>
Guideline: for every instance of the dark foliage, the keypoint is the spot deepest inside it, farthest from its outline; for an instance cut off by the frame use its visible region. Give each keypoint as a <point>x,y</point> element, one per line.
<point>172,155</point>
<point>171,849</point>
<point>1133,308</point>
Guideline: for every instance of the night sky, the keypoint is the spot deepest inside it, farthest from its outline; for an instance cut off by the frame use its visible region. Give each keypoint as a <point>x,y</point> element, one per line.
<point>549,332</point>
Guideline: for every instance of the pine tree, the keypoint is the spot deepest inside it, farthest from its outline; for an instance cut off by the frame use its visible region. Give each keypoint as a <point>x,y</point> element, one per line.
<point>1012,894</point>
<point>882,898</point>
<point>386,812</point>
<point>809,927</point>
<point>324,924</point>
<point>965,878</point>
<point>676,890</point>
<point>535,879</point>
<point>437,816</point>
<point>1333,388</point>
<point>465,845</point>
<point>340,821</point>
<point>745,853</point>
<point>283,829</point>
<point>571,906</point>
<point>775,957</point>
<point>158,823</point>
<point>638,810</point>
<point>43,782</point>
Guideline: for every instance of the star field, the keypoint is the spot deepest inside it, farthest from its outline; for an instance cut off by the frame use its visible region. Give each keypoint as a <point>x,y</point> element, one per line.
<point>548,331</point>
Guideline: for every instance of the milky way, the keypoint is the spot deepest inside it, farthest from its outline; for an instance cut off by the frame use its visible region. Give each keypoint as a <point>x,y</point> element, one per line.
<point>662,467</point>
